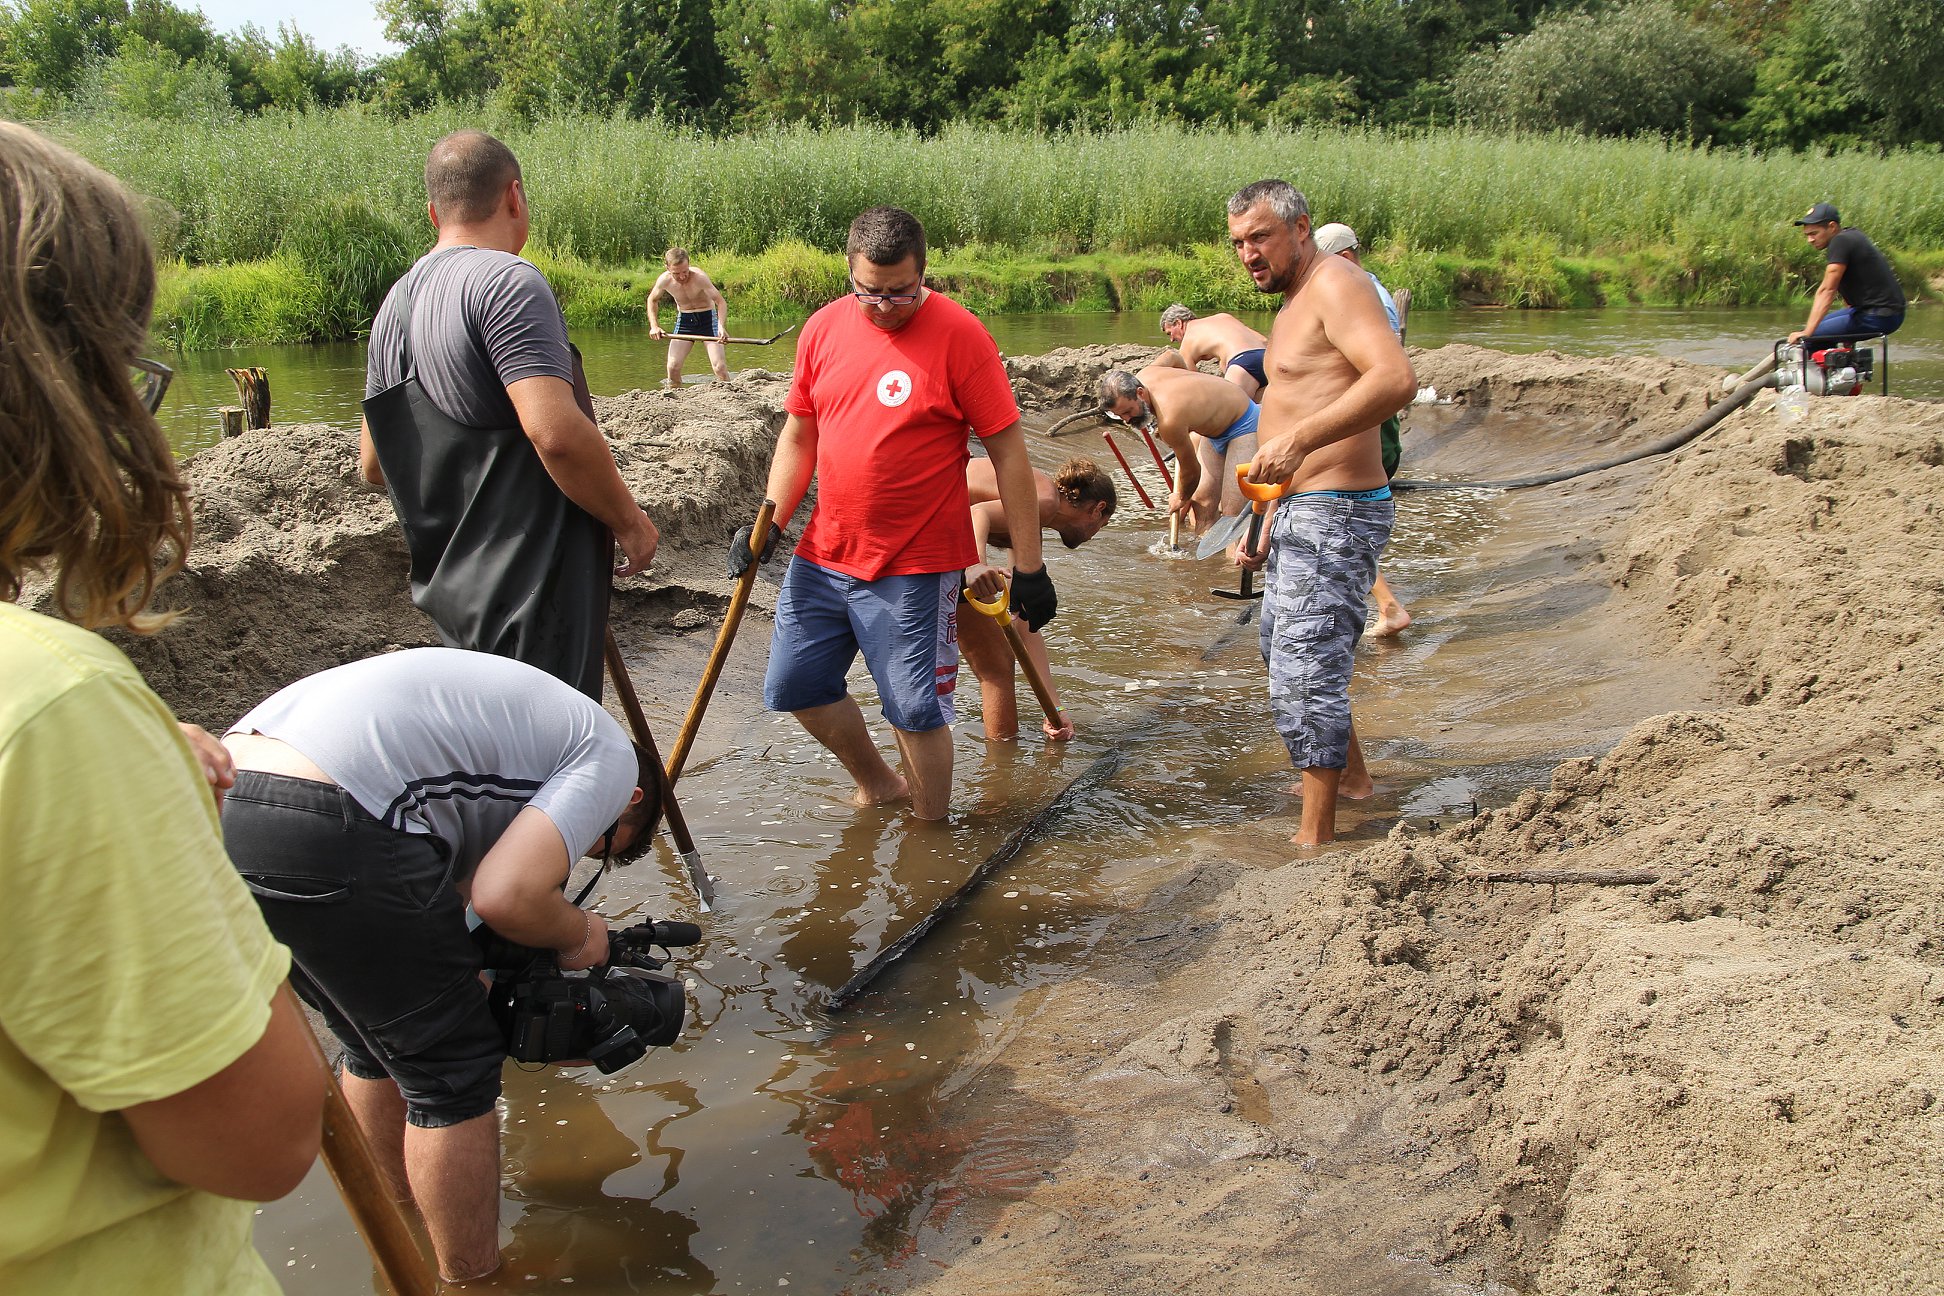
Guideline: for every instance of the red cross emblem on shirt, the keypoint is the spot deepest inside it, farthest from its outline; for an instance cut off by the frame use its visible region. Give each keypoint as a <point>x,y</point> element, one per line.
<point>894,388</point>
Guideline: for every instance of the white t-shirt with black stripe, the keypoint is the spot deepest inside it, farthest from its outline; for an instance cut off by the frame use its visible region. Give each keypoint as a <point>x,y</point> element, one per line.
<point>455,744</point>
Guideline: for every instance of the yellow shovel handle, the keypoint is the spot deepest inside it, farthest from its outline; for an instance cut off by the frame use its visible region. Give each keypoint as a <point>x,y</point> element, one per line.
<point>995,609</point>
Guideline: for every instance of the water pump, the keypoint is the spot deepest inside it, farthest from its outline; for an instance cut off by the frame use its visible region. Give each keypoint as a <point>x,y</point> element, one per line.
<point>1816,367</point>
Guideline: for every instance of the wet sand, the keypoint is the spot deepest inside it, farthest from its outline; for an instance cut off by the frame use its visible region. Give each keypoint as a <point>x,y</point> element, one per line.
<point>1370,1071</point>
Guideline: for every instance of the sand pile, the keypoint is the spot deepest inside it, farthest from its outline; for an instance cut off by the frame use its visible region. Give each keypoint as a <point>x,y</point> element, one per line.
<point>298,566</point>
<point>1373,1073</point>
<point>1063,379</point>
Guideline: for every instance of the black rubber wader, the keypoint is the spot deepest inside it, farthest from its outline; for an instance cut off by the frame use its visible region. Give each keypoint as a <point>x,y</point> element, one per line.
<point>502,561</point>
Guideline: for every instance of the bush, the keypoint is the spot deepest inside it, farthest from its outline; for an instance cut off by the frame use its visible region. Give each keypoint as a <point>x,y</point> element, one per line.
<point>204,307</point>
<point>353,255</point>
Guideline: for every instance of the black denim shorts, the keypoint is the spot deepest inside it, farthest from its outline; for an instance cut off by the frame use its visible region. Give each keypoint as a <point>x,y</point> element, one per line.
<point>379,939</point>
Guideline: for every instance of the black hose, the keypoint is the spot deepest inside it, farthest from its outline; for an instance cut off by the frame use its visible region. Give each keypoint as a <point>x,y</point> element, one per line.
<point>1071,793</point>
<point>1751,382</point>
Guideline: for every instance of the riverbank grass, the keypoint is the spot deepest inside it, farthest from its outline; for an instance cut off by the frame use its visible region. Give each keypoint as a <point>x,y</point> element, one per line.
<point>299,297</point>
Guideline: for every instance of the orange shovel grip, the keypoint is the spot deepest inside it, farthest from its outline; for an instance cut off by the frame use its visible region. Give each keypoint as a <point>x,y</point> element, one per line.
<point>1260,492</point>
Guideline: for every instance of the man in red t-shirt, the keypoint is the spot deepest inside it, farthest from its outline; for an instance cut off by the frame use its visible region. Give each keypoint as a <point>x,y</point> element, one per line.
<point>888,382</point>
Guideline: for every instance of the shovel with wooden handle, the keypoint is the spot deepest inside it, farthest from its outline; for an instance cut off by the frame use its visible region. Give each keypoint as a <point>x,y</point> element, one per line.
<point>705,337</point>
<point>999,610</point>
<point>1260,496</point>
<point>738,601</point>
<point>677,824</point>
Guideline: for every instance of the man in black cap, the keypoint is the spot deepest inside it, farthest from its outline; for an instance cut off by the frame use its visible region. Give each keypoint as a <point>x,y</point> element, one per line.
<point>1858,272</point>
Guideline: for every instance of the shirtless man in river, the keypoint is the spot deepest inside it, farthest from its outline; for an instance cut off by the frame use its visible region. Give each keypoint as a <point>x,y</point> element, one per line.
<point>1336,372</point>
<point>1205,420</point>
<point>699,311</point>
<point>1221,338</point>
<point>1076,504</point>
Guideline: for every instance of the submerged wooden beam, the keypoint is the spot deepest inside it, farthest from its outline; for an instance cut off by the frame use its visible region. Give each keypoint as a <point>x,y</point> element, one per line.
<point>1565,877</point>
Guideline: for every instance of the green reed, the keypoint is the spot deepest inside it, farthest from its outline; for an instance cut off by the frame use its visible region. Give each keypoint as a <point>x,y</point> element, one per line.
<point>1018,219</point>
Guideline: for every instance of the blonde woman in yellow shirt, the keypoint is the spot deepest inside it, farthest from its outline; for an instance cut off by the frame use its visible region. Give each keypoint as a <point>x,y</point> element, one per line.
<point>155,1078</point>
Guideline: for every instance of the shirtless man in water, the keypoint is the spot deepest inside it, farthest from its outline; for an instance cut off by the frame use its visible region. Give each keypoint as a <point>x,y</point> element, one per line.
<point>700,311</point>
<point>1205,420</point>
<point>1075,503</point>
<point>1221,338</point>
<point>1336,372</point>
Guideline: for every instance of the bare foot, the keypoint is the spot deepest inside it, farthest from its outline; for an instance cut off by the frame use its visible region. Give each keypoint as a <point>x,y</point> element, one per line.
<point>896,790</point>
<point>1390,620</point>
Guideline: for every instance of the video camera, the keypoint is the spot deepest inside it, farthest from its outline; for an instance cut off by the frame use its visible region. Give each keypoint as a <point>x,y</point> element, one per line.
<point>608,1015</point>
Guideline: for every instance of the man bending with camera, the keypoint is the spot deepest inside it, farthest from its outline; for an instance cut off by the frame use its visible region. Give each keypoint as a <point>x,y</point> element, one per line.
<point>373,803</point>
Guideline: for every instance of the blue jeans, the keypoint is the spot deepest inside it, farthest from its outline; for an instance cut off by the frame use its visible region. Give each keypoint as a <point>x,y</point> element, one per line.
<point>1851,321</point>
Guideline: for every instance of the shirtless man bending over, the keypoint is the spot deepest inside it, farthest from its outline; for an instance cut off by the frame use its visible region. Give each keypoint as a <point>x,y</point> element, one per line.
<point>700,311</point>
<point>1222,338</point>
<point>1075,503</point>
<point>1336,373</point>
<point>1205,420</point>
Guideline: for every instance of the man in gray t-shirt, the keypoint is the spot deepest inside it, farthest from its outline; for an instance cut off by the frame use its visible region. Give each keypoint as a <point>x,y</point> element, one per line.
<point>372,803</point>
<point>477,423</point>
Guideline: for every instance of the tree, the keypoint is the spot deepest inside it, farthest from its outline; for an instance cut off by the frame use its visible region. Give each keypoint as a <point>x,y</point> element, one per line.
<point>52,42</point>
<point>595,56</point>
<point>142,79</point>
<point>289,72</point>
<point>1803,96</point>
<point>1639,67</point>
<point>1890,52</point>
<point>794,60</point>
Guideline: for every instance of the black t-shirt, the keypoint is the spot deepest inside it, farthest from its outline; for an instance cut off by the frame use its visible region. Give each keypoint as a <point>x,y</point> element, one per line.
<point>1867,282</point>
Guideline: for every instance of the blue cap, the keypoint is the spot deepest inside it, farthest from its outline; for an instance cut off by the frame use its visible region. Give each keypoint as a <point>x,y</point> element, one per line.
<point>1820,214</point>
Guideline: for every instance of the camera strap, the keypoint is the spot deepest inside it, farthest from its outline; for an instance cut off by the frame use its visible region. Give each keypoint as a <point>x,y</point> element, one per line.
<point>592,882</point>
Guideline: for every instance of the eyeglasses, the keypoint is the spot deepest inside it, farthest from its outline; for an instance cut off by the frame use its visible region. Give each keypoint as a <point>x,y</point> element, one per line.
<point>892,299</point>
<point>151,379</point>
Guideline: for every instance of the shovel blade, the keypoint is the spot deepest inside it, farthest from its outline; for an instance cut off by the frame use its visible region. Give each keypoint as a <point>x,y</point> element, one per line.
<point>1219,535</point>
<point>699,878</point>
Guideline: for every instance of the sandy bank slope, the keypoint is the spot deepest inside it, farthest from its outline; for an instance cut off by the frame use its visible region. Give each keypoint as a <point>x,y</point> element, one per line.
<point>1372,1075</point>
<point>297,566</point>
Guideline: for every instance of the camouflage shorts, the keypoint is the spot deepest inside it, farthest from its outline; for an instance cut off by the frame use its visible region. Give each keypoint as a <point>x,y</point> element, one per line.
<point>1323,553</point>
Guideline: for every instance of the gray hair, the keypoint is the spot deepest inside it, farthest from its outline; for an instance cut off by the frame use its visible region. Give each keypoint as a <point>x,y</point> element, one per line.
<point>1175,314</point>
<point>1115,386</point>
<point>1283,198</point>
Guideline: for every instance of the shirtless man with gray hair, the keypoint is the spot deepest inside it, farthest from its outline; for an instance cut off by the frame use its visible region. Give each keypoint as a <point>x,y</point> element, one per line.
<point>1205,420</point>
<point>1337,371</point>
<point>1221,338</point>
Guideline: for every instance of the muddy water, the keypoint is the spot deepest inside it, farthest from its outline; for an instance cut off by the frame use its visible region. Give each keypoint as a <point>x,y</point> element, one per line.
<point>778,1146</point>
<point>323,383</point>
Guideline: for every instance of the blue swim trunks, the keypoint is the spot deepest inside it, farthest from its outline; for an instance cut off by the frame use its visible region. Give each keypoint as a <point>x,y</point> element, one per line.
<point>1244,426</point>
<point>698,323</point>
<point>906,626</point>
<point>1323,551</point>
<point>1250,363</point>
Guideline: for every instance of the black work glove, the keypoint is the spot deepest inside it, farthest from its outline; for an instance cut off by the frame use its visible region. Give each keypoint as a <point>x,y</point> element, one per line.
<point>1033,597</point>
<point>739,548</point>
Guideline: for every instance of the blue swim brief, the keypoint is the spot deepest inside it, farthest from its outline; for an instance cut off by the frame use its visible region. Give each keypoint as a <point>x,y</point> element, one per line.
<point>906,626</point>
<point>1250,363</point>
<point>698,323</point>
<point>1244,426</point>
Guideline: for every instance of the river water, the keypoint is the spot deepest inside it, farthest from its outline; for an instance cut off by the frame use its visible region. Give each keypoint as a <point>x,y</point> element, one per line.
<point>323,383</point>
<point>781,1146</point>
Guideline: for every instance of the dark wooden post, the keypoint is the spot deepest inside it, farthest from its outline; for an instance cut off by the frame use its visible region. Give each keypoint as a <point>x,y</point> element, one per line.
<point>232,416</point>
<point>253,389</point>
